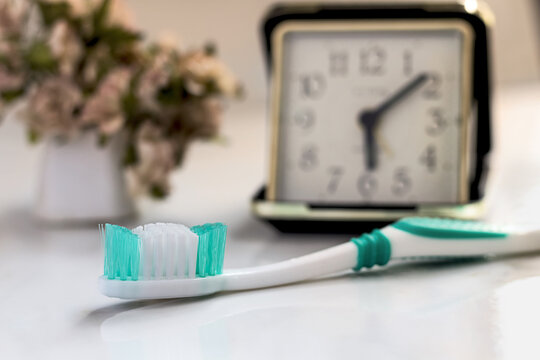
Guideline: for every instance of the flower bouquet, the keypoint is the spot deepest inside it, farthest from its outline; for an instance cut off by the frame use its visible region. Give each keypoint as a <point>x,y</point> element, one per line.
<point>80,66</point>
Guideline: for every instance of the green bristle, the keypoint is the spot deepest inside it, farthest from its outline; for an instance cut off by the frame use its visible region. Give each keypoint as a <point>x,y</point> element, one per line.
<point>211,249</point>
<point>122,252</point>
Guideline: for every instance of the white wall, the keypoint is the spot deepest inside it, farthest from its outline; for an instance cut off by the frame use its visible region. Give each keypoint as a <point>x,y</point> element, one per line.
<point>234,26</point>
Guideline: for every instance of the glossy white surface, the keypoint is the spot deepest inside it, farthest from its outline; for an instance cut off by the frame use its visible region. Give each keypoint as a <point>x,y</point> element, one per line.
<point>50,307</point>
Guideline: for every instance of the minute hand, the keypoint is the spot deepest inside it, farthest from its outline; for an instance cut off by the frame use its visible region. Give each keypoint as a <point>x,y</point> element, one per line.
<point>400,94</point>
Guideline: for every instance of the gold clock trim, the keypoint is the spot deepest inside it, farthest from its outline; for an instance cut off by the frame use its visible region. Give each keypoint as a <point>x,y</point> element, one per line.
<point>301,212</point>
<point>374,25</point>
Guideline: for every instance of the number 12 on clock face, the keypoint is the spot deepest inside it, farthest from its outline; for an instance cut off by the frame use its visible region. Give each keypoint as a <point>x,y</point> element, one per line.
<point>371,114</point>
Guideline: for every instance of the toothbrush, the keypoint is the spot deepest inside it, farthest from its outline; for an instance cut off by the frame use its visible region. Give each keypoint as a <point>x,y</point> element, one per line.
<point>158,261</point>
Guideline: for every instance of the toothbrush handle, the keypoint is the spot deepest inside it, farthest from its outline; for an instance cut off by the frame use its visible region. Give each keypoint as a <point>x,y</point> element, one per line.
<point>332,260</point>
<point>364,251</point>
<point>414,246</point>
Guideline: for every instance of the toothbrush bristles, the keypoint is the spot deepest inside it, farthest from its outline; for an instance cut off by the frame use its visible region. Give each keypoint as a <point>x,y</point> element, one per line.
<point>162,251</point>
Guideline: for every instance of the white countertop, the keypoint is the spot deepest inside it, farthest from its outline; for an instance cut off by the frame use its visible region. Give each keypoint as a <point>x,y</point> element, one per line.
<point>50,307</point>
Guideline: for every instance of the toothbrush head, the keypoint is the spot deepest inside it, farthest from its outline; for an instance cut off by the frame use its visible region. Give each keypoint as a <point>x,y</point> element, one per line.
<point>163,251</point>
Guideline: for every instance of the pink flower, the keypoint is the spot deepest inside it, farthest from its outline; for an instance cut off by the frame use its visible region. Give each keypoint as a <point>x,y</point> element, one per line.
<point>104,108</point>
<point>200,68</point>
<point>100,54</point>
<point>9,80</point>
<point>120,15</point>
<point>156,162</point>
<point>155,77</point>
<point>201,117</point>
<point>81,8</point>
<point>52,106</point>
<point>11,29</point>
<point>11,16</point>
<point>66,46</point>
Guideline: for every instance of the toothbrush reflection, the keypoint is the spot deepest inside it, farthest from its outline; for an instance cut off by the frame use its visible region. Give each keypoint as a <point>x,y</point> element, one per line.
<point>273,323</point>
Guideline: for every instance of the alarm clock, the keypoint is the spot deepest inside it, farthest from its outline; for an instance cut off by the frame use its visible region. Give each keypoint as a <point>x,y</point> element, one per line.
<point>376,112</point>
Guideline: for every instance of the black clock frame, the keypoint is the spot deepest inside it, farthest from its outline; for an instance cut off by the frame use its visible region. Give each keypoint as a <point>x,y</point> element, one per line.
<point>481,78</point>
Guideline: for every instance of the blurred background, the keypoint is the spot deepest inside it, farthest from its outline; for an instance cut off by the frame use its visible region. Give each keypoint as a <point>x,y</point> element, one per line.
<point>234,26</point>
<point>515,41</point>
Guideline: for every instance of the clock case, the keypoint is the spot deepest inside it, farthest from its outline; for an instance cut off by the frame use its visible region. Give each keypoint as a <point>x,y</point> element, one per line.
<point>302,217</point>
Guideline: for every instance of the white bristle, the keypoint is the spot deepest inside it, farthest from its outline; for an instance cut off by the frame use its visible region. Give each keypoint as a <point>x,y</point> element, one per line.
<point>192,246</point>
<point>168,251</point>
<point>181,257</point>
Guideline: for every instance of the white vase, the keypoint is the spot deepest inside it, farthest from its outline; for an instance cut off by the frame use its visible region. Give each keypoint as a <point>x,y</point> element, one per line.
<point>83,182</point>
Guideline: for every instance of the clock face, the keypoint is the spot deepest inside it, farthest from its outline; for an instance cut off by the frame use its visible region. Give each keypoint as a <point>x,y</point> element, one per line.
<point>371,116</point>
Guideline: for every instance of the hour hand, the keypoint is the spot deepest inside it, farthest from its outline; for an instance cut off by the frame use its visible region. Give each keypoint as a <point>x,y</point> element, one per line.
<point>368,119</point>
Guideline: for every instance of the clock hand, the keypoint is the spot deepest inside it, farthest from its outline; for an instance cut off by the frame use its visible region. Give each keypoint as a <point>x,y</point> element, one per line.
<point>370,118</point>
<point>401,93</point>
<point>371,150</point>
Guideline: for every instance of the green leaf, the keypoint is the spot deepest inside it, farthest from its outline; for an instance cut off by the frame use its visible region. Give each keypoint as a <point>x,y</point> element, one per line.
<point>220,140</point>
<point>11,95</point>
<point>115,36</point>
<point>40,57</point>
<point>33,136</point>
<point>100,16</point>
<point>103,69</point>
<point>179,155</point>
<point>129,104</point>
<point>240,92</point>
<point>103,140</point>
<point>211,87</point>
<point>131,157</point>
<point>118,37</point>
<point>171,93</point>
<point>158,192</point>
<point>4,60</point>
<point>53,11</point>
<point>210,49</point>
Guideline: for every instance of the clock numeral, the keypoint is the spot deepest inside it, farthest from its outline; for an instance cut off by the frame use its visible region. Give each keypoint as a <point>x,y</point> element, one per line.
<point>312,85</point>
<point>402,182</point>
<point>432,89</point>
<point>339,63</point>
<point>372,61</point>
<point>407,62</point>
<point>367,184</point>
<point>336,173</point>
<point>437,123</point>
<point>309,158</point>
<point>429,158</point>
<point>305,119</point>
